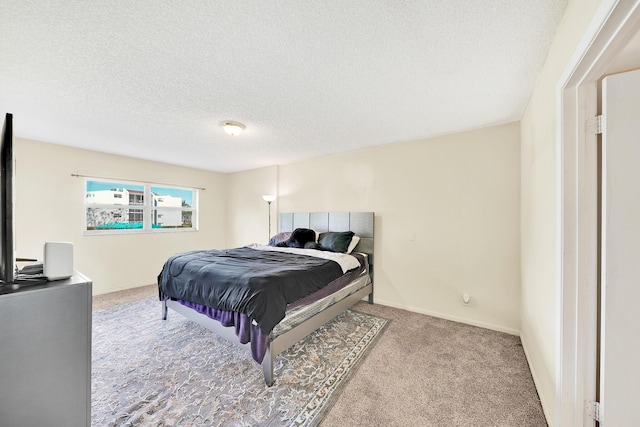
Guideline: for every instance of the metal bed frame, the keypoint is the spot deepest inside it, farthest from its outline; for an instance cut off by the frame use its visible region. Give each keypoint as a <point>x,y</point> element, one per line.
<point>361,223</point>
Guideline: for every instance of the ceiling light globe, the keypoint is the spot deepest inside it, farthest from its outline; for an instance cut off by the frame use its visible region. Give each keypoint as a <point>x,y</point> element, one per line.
<point>233,128</point>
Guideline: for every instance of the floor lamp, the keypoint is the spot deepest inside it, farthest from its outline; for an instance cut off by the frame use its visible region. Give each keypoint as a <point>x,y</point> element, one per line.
<point>269,198</point>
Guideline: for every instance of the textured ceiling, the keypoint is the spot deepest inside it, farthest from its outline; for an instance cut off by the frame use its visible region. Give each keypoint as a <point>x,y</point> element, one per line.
<point>154,79</point>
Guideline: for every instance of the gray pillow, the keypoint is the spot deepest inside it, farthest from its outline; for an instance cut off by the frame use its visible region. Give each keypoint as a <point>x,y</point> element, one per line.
<point>279,238</point>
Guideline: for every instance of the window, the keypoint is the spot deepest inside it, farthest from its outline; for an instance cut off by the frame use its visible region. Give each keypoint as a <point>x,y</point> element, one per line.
<point>123,207</point>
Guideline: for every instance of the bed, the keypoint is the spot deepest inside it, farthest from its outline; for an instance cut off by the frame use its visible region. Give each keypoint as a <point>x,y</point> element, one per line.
<point>260,322</point>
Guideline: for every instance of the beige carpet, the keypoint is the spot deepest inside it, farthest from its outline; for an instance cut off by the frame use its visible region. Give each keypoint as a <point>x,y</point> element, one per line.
<point>426,371</point>
<point>107,300</point>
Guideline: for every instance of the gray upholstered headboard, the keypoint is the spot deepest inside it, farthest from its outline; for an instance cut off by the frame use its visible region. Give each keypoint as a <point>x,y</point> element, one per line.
<point>361,223</point>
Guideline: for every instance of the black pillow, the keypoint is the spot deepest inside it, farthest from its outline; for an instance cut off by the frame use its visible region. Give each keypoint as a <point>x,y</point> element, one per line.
<point>312,245</point>
<point>299,237</point>
<point>335,241</point>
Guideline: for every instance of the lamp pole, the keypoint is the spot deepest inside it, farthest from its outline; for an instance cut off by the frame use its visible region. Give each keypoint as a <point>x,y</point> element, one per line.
<point>269,198</point>
<point>269,236</point>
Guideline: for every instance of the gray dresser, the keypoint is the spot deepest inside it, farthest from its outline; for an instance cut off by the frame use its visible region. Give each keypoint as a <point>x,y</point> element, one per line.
<point>45,354</point>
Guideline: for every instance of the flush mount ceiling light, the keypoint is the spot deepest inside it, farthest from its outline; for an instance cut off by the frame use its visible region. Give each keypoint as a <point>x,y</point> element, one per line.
<point>233,128</point>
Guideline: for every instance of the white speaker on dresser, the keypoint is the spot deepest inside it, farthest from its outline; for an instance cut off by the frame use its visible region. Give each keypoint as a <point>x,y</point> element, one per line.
<point>58,260</point>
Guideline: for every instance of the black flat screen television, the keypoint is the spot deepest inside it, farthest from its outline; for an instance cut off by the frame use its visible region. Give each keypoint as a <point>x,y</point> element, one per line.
<point>7,256</point>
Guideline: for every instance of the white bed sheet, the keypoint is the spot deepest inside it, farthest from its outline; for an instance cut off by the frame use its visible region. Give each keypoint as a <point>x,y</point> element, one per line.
<point>346,261</point>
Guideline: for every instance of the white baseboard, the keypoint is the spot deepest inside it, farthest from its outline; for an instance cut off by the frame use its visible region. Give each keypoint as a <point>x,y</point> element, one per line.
<point>458,319</point>
<point>536,381</point>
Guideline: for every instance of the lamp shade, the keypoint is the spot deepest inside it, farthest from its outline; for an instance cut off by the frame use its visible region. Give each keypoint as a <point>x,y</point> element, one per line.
<point>268,198</point>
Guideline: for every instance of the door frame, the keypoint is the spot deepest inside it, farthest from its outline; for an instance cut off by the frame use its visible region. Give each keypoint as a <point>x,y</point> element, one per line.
<point>613,25</point>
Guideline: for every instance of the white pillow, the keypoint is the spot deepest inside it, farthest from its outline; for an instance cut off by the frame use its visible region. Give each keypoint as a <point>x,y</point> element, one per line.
<point>352,245</point>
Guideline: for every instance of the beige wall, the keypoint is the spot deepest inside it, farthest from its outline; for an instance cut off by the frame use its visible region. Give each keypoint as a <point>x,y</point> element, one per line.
<point>539,257</point>
<point>248,219</point>
<point>459,195</point>
<point>49,207</point>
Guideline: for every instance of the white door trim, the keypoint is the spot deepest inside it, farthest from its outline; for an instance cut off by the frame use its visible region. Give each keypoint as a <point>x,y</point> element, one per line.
<point>615,22</point>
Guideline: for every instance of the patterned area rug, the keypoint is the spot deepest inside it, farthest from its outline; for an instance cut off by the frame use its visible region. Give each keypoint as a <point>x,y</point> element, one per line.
<point>147,371</point>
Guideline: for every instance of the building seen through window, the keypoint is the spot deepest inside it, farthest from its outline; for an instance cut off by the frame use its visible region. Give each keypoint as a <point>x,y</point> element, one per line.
<point>121,206</point>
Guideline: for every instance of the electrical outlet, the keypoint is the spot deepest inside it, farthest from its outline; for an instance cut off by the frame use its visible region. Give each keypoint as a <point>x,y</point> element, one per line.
<point>466,300</point>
